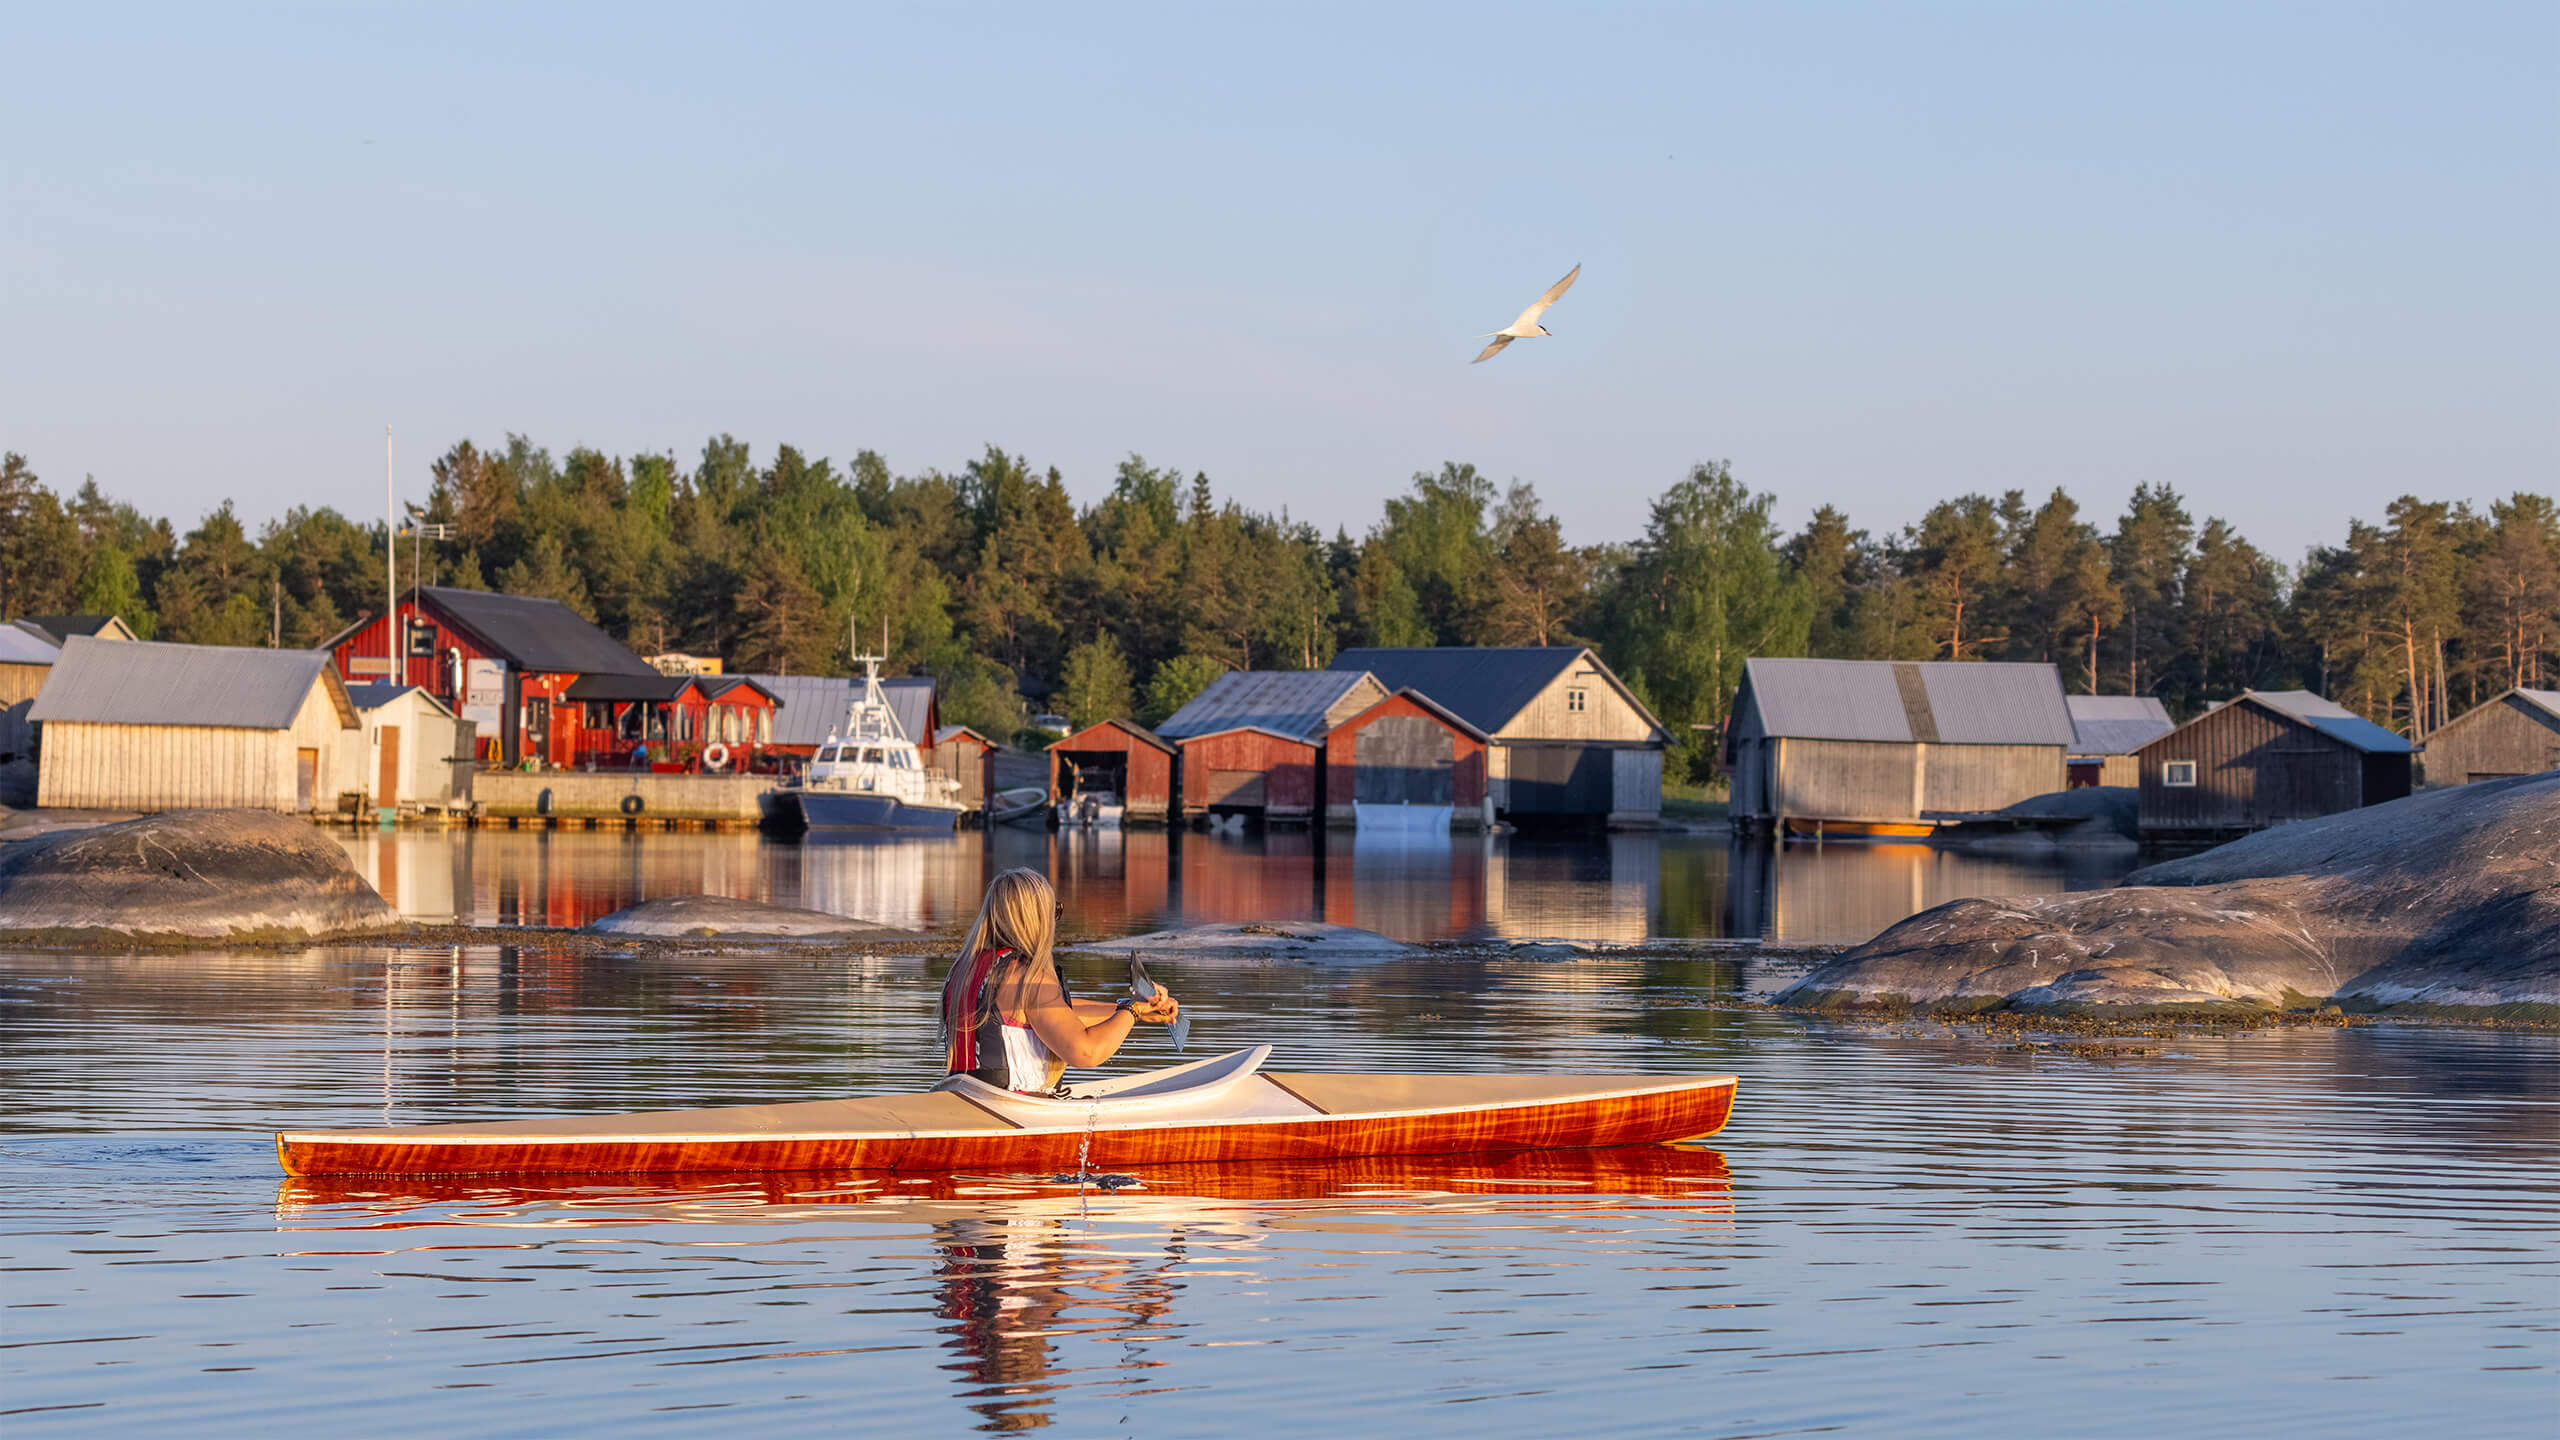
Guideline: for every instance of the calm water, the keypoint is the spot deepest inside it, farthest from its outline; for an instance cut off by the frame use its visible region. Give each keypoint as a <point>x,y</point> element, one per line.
<point>1613,887</point>
<point>1904,1232</point>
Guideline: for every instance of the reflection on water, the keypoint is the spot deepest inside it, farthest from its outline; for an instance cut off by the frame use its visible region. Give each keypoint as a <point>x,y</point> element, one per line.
<point>1619,887</point>
<point>1904,1231</point>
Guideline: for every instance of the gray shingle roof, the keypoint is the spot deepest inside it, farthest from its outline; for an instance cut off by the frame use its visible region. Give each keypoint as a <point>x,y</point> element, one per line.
<point>1302,704</point>
<point>2331,719</point>
<point>2116,724</point>
<point>1486,686</point>
<point>2547,699</point>
<point>1954,702</point>
<point>814,706</point>
<point>134,682</point>
<point>535,634</point>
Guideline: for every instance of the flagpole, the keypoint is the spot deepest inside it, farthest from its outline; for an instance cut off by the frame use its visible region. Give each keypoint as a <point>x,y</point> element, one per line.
<point>390,566</point>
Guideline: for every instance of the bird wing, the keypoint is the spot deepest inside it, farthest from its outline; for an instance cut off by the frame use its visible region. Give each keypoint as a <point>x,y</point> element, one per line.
<point>1554,293</point>
<point>1491,350</point>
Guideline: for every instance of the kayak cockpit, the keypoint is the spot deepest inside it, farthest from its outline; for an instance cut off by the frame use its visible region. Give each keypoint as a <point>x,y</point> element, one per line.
<point>1219,1086</point>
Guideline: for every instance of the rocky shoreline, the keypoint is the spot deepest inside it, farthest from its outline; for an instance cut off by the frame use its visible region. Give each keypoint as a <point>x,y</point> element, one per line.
<point>2446,903</point>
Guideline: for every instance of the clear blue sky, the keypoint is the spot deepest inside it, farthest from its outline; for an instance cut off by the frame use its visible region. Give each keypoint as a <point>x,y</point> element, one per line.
<point>2294,260</point>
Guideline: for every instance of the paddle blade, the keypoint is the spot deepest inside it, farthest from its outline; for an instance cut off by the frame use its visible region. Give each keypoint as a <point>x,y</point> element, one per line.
<point>1181,1032</point>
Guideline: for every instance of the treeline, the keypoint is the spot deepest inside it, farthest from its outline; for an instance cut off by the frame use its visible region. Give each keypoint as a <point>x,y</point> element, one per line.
<point>992,579</point>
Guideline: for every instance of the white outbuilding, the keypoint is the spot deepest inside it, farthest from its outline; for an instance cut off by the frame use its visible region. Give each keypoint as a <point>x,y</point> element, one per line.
<point>415,752</point>
<point>133,725</point>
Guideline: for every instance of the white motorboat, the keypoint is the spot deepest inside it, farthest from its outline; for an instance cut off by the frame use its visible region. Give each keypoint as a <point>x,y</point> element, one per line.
<point>870,776</point>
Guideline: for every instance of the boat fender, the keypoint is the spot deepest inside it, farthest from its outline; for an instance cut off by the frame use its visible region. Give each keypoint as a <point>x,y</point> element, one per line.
<point>542,802</point>
<point>633,804</point>
<point>717,756</point>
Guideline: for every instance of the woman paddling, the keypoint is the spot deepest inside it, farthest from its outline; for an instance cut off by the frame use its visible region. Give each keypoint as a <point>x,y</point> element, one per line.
<point>1006,1015</point>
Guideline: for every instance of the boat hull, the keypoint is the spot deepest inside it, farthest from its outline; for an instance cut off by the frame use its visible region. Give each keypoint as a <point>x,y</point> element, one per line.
<point>1861,829</point>
<point>862,810</point>
<point>1328,1117</point>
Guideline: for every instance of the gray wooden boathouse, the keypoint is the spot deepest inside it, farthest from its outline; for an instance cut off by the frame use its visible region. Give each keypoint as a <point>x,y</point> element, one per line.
<point>1889,746</point>
<point>2265,758</point>
<point>2518,733</point>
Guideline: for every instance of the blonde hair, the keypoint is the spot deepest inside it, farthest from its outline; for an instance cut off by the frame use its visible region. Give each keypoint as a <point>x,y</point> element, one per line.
<point>1019,914</point>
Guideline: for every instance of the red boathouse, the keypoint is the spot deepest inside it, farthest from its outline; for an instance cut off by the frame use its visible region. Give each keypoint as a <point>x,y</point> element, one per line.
<point>1120,756</point>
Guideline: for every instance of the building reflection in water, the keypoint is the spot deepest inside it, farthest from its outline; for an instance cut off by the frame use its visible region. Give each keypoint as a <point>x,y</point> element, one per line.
<point>1614,887</point>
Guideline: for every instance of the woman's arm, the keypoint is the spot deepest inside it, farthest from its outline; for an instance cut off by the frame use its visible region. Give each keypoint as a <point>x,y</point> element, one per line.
<point>1062,1025</point>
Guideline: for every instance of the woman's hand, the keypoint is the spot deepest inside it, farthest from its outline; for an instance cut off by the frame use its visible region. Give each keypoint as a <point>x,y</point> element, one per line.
<point>1159,1009</point>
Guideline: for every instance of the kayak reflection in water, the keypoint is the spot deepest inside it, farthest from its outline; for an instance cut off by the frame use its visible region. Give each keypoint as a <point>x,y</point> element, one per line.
<point>1006,1015</point>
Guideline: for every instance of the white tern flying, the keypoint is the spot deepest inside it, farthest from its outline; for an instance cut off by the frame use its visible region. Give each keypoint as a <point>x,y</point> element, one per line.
<point>1527,325</point>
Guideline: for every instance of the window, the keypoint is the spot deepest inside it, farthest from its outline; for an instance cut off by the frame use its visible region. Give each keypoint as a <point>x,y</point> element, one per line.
<point>1573,700</point>
<point>764,727</point>
<point>2178,774</point>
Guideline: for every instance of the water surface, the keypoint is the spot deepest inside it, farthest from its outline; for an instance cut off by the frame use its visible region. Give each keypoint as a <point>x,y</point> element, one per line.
<point>1623,886</point>
<point>1906,1231</point>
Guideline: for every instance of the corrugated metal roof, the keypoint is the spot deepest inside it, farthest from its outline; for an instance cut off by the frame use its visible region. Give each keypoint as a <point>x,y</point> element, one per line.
<point>135,682</point>
<point>1942,701</point>
<point>2116,724</point>
<point>1827,700</point>
<point>2331,719</point>
<point>814,706</point>
<point>22,646</point>
<point>1487,686</point>
<point>1295,703</point>
<point>536,634</point>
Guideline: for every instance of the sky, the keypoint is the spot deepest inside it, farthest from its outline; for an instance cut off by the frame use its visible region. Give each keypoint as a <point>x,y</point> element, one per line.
<point>2293,260</point>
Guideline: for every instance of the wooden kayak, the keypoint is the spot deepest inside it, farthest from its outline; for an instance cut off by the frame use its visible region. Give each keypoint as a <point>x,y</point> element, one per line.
<point>1696,1176</point>
<point>1215,1111</point>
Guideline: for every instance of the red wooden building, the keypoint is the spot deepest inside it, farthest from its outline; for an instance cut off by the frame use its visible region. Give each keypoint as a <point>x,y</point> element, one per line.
<point>1124,758</point>
<point>672,722</point>
<point>505,662</point>
<point>1250,770</point>
<point>1405,750</point>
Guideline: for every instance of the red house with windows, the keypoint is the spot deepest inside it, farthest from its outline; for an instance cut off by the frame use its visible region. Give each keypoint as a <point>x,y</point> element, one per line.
<point>507,662</point>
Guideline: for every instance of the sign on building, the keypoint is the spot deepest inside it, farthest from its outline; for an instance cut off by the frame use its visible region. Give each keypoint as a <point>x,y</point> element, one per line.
<point>484,693</point>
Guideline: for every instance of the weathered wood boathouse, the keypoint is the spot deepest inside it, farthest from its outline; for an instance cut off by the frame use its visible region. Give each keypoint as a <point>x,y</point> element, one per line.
<point>131,725</point>
<point>2265,758</point>
<point>1888,747</point>
<point>1567,741</point>
<point>1405,755</point>
<point>2518,733</point>
<point>26,661</point>
<point>1253,742</point>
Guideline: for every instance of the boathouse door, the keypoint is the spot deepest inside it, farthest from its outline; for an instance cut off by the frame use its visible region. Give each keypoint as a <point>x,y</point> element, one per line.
<point>306,779</point>
<point>1403,760</point>
<point>388,791</point>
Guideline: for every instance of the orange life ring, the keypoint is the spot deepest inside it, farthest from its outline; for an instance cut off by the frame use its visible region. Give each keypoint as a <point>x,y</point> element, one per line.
<point>716,755</point>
